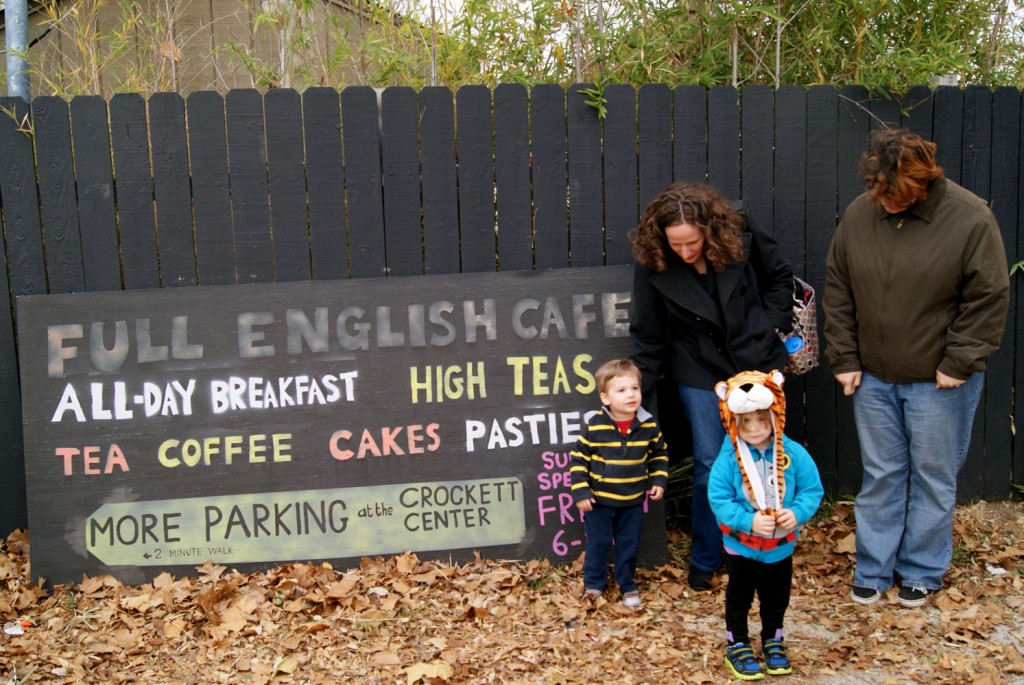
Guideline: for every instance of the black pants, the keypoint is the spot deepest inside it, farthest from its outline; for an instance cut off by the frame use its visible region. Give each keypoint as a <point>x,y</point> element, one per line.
<point>771,582</point>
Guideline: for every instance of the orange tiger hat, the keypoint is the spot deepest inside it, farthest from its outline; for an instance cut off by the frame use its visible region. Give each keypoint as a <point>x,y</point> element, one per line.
<point>750,391</point>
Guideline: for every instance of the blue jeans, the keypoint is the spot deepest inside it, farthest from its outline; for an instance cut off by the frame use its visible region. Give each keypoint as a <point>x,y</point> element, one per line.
<point>701,409</point>
<point>603,526</point>
<point>913,441</point>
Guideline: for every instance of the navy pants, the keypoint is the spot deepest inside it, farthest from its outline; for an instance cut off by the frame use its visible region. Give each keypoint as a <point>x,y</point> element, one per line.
<point>604,527</point>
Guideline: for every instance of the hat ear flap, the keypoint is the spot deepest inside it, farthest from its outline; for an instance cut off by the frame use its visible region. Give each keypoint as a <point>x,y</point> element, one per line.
<point>721,389</point>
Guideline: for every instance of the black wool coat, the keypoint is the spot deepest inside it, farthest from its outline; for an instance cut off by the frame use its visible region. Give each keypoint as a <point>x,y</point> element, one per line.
<point>678,328</point>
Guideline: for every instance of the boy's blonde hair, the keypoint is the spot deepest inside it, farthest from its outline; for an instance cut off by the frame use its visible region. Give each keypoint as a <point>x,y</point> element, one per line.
<point>614,368</point>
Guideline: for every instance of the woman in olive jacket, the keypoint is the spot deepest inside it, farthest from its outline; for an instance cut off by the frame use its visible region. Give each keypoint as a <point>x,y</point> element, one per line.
<point>711,294</point>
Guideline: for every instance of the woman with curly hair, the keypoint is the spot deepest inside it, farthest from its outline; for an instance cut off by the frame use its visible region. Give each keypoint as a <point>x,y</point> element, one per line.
<point>711,293</point>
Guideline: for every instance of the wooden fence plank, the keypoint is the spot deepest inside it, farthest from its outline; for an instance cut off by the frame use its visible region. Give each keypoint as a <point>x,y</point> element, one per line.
<point>821,216</point>
<point>586,220</point>
<point>1004,190</point>
<point>512,177</point>
<point>757,165</point>
<point>95,183</point>
<point>547,140</point>
<point>790,217</point>
<point>854,124</point>
<point>286,183</point>
<point>24,271</point>
<point>171,190</point>
<point>621,209</point>
<point>440,197</point>
<point>975,174</point>
<point>690,140</point>
<point>654,117</point>
<point>250,203</point>
<point>211,191</point>
<point>129,140</point>
<point>723,143</point>
<point>361,135</point>
<point>917,111</point>
<point>476,179</point>
<point>947,132</point>
<point>52,125</point>
<point>13,503</point>
<point>321,121</point>
<point>1016,316</point>
<point>400,153</point>
<point>885,110</point>
<point>22,234</point>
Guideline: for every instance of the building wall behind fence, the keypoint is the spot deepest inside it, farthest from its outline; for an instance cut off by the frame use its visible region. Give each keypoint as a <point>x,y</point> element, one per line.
<point>255,188</point>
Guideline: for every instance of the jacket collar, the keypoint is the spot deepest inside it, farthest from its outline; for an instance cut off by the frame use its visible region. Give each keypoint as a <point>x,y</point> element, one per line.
<point>677,284</point>
<point>925,209</point>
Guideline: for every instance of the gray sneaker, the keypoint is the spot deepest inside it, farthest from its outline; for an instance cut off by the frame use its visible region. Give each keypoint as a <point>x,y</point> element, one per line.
<point>632,599</point>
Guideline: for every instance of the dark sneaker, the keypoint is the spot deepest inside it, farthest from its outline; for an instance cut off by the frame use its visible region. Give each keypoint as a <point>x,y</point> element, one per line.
<point>700,580</point>
<point>776,662</point>
<point>741,661</point>
<point>865,595</point>
<point>911,596</point>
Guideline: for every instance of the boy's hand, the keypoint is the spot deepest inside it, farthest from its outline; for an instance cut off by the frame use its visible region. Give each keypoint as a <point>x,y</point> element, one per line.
<point>785,518</point>
<point>764,525</point>
<point>586,505</point>
<point>656,493</point>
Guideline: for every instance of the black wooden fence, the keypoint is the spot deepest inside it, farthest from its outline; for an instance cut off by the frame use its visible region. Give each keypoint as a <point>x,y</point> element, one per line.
<point>205,190</point>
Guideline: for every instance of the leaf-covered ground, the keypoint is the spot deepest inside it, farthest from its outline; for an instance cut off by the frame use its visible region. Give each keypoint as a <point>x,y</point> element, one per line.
<point>403,620</point>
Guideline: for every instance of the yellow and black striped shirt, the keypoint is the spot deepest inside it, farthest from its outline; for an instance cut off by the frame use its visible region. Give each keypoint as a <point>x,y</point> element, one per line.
<point>616,469</point>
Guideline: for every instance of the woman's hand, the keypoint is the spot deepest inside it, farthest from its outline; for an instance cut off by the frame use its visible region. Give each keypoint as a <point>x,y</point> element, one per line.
<point>944,381</point>
<point>850,381</point>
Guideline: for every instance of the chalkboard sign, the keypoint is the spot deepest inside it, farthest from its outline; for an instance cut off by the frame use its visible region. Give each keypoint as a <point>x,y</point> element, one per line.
<point>251,425</point>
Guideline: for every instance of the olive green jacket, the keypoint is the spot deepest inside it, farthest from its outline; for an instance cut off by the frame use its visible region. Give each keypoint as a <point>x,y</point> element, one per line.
<point>911,293</point>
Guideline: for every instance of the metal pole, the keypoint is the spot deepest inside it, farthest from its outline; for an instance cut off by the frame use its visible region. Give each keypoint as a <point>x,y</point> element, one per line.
<point>16,21</point>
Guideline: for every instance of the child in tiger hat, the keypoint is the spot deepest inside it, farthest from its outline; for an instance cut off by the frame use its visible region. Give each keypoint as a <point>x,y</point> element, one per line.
<point>763,487</point>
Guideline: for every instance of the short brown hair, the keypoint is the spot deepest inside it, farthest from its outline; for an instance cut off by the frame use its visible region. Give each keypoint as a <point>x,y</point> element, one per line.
<point>698,205</point>
<point>613,368</point>
<point>899,165</point>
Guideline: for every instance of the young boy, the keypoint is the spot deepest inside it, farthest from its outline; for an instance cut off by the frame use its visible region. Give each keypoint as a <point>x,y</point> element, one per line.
<point>619,454</point>
<point>762,488</point>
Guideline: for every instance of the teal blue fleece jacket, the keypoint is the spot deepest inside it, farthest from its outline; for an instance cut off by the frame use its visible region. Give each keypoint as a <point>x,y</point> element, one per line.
<point>731,507</point>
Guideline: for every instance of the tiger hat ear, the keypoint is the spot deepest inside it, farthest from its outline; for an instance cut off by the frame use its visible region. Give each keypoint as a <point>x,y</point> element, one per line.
<point>721,389</point>
<point>777,376</point>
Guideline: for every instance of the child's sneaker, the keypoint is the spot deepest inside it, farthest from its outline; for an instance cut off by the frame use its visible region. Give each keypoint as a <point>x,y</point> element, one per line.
<point>741,661</point>
<point>592,593</point>
<point>913,596</point>
<point>632,599</point>
<point>865,595</point>
<point>775,659</point>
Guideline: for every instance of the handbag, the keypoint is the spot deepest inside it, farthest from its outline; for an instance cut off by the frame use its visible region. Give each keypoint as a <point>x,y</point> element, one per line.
<point>802,341</point>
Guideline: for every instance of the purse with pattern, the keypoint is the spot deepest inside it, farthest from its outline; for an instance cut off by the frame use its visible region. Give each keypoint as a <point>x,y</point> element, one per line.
<point>802,341</point>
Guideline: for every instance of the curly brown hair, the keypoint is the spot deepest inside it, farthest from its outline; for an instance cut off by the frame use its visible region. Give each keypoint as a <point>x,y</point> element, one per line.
<point>696,204</point>
<point>898,165</point>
